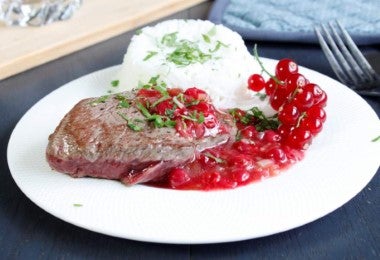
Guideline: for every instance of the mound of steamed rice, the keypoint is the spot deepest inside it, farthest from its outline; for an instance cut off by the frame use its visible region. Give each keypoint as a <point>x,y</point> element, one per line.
<point>222,71</point>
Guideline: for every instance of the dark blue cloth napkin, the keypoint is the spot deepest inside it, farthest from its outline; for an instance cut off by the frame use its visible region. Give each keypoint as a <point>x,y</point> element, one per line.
<point>293,20</point>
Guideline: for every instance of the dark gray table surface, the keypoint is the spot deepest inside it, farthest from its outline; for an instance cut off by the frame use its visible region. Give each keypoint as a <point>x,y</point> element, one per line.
<point>28,232</point>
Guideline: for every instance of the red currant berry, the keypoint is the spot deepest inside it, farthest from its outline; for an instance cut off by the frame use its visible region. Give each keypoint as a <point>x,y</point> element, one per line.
<point>196,93</point>
<point>278,98</point>
<point>288,114</point>
<point>295,81</point>
<point>315,125</point>
<point>278,155</point>
<point>316,112</point>
<point>299,138</point>
<point>285,67</point>
<point>284,130</point>
<point>323,100</point>
<point>163,106</point>
<point>270,86</point>
<point>315,90</point>
<point>248,132</point>
<point>256,82</point>
<point>271,136</point>
<point>303,100</point>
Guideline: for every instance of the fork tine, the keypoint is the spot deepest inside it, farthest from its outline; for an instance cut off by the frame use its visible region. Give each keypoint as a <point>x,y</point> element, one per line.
<point>330,57</point>
<point>355,67</point>
<point>357,53</point>
<point>334,56</point>
<point>341,59</point>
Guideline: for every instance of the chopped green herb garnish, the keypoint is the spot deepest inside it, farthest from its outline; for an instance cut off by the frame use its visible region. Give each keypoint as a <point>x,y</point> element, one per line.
<point>161,99</point>
<point>161,88</point>
<point>153,80</point>
<point>181,97</point>
<point>134,127</point>
<point>161,121</point>
<point>119,97</point>
<point>170,123</point>
<point>256,117</point>
<point>376,139</point>
<point>115,83</point>
<point>138,31</point>
<point>169,39</point>
<point>195,117</point>
<point>101,99</point>
<point>169,112</point>
<point>212,31</point>
<point>179,103</point>
<point>143,109</point>
<point>187,53</point>
<point>150,55</point>
<point>238,136</point>
<point>217,46</point>
<point>216,159</point>
<point>130,124</point>
<point>261,121</point>
<point>77,205</point>
<point>262,96</point>
<point>157,120</point>
<point>193,103</point>
<point>206,38</point>
<point>201,118</point>
<point>123,102</point>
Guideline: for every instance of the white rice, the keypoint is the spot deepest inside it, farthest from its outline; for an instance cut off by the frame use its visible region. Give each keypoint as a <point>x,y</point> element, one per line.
<point>224,76</point>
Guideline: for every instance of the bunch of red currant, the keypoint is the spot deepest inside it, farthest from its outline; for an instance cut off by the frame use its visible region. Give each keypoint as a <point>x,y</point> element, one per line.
<point>299,103</point>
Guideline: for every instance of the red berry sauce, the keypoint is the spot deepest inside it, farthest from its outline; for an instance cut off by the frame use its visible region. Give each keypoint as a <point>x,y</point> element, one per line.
<point>264,146</point>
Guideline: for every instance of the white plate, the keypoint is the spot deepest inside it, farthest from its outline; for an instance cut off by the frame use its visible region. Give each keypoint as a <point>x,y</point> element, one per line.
<point>341,161</point>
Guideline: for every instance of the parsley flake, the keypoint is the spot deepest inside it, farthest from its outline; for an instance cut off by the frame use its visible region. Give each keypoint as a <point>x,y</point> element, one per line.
<point>130,123</point>
<point>169,39</point>
<point>261,96</point>
<point>99,100</point>
<point>206,38</point>
<point>150,55</point>
<point>212,31</point>
<point>218,45</point>
<point>216,159</point>
<point>115,83</point>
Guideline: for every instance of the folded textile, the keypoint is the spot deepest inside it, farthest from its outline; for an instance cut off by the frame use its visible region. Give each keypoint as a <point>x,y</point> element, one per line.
<point>294,20</point>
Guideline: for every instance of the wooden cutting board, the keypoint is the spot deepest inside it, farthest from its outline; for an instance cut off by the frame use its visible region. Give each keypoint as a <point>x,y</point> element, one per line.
<point>22,48</point>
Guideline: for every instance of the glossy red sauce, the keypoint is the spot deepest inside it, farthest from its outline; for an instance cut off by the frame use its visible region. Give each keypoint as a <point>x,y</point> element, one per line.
<point>238,163</point>
<point>248,157</point>
<point>264,145</point>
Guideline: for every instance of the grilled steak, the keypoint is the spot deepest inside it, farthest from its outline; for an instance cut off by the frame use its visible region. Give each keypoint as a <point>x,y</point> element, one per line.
<point>96,139</point>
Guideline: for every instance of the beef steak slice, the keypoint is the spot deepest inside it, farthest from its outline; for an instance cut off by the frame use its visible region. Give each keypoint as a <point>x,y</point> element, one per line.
<point>93,140</point>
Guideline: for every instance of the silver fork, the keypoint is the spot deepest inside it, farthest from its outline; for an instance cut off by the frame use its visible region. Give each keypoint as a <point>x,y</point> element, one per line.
<point>346,60</point>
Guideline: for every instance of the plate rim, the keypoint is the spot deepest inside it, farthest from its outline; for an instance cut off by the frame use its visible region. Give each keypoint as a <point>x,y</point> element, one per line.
<point>157,240</point>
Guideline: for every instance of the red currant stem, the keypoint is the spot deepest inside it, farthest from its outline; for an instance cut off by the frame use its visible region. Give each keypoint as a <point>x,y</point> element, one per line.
<point>294,93</point>
<point>302,116</point>
<point>256,55</point>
